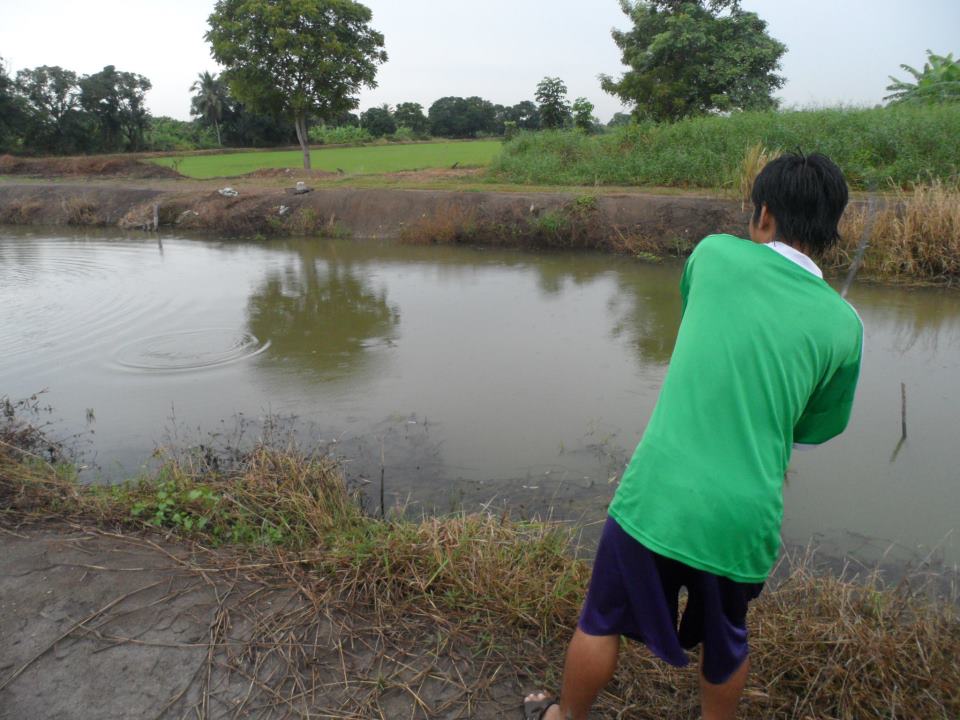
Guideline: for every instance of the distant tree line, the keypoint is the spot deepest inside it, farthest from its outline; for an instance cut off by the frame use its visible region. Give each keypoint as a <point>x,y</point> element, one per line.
<point>53,110</point>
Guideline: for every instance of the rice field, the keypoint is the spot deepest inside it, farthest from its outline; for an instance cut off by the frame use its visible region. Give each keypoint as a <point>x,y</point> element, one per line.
<point>371,159</point>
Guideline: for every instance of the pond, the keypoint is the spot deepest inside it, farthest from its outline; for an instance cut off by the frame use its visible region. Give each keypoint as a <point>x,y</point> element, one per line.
<point>475,378</point>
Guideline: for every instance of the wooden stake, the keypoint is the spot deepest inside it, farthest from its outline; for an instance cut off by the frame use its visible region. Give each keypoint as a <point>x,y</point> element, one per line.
<point>903,410</point>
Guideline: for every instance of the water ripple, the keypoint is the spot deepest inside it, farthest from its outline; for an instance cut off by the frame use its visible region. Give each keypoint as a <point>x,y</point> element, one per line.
<point>190,350</point>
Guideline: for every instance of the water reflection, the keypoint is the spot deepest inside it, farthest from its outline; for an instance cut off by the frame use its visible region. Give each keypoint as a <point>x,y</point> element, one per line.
<point>321,314</point>
<point>917,318</point>
<point>518,376</point>
<point>648,317</point>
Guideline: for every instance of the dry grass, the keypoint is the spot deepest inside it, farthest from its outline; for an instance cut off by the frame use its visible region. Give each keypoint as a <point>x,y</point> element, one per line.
<point>452,224</point>
<point>915,235</point>
<point>95,165</point>
<point>417,593</point>
<point>81,211</point>
<point>22,212</point>
<point>755,159</point>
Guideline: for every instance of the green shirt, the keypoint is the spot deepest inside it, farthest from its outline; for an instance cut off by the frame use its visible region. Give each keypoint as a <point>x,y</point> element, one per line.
<point>767,355</point>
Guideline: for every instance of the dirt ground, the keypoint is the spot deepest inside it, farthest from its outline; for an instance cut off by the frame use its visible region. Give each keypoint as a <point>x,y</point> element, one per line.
<point>439,205</point>
<point>100,625</point>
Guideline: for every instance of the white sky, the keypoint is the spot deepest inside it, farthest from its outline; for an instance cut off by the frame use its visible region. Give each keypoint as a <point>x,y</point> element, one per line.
<point>839,51</point>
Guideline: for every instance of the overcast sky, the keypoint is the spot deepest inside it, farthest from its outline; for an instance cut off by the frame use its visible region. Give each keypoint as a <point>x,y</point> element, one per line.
<point>839,51</point>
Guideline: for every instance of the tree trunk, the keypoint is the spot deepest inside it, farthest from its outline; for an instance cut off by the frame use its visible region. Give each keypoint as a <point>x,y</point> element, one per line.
<point>301,124</point>
<point>217,126</point>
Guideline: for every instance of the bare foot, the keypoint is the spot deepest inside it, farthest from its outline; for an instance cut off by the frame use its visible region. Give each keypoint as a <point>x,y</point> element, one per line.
<point>552,712</point>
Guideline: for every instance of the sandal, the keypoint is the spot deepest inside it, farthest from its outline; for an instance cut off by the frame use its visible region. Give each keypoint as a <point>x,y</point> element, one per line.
<point>536,709</point>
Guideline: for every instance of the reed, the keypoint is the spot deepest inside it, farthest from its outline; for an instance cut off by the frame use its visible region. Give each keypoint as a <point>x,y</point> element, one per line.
<point>915,236</point>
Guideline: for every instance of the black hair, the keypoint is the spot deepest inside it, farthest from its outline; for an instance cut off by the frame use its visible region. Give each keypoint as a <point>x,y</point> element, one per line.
<point>806,194</point>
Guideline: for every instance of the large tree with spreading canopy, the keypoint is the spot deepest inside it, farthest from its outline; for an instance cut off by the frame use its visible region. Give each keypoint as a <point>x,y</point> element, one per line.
<point>692,57</point>
<point>299,58</point>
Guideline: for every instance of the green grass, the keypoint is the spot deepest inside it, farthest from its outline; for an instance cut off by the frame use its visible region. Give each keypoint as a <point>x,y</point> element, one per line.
<point>872,146</point>
<point>351,160</point>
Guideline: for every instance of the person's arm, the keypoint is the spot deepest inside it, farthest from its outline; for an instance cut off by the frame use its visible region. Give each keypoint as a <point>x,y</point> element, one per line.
<point>828,411</point>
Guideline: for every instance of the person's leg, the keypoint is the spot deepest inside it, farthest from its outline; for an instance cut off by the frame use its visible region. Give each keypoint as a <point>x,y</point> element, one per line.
<point>719,702</point>
<point>589,666</point>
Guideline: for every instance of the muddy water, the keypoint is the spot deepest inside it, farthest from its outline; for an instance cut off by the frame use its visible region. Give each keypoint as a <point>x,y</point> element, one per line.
<point>493,378</point>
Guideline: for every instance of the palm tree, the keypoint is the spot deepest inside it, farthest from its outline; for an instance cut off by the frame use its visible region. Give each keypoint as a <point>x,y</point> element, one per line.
<point>210,99</point>
<point>938,82</point>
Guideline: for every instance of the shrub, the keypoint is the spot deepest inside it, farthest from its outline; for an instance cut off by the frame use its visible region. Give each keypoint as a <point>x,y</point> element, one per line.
<point>345,135</point>
<point>872,146</point>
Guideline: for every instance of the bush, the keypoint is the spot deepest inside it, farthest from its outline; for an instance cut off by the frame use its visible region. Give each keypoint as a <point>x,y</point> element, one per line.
<point>873,146</point>
<point>404,134</point>
<point>344,135</point>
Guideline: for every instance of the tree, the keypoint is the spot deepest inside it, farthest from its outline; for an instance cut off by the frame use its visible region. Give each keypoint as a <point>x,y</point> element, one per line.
<point>12,116</point>
<point>552,97</point>
<point>298,58</point>
<point>242,127</point>
<point>457,117</point>
<point>481,116</point>
<point>116,101</point>
<point>938,82</point>
<point>410,115</point>
<point>379,121</point>
<point>583,114</point>
<point>51,97</point>
<point>692,57</point>
<point>210,101</point>
<point>525,114</point>
<point>620,119</point>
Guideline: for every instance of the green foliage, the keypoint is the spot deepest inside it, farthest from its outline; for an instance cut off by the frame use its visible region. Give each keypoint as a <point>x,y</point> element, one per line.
<point>378,121</point>
<point>583,114</point>
<point>115,99</point>
<point>457,117</point>
<point>299,58</point>
<point>410,115</point>
<point>938,82</point>
<point>552,97</point>
<point>210,101</point>
<point>243,127</point>
<point>872,146</point>
<point>404,134</point>
<point>344,135</point>
<point>12,113</point>
<point>167,134</point>
<point>51,97</point>
<point>526,115</point>
<point>173,504</point>
<point>689,57</point>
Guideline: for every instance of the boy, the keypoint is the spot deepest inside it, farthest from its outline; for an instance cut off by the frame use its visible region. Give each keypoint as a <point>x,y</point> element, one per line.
<point>767,355</point>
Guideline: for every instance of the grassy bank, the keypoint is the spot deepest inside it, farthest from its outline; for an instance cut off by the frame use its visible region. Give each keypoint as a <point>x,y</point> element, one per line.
<point>350,160</point>
<point>822,646</point>
<point>874,146</point>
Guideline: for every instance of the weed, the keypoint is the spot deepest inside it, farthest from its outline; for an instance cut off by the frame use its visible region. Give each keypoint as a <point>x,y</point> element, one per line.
<point>870,145</point>
<point>81,211</point>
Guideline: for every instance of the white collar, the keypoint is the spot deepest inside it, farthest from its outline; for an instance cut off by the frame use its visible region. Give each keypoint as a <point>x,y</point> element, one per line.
<point>794,255</point>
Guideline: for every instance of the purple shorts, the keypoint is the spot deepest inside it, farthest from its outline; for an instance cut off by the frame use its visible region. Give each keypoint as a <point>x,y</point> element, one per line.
<point>634,592</point>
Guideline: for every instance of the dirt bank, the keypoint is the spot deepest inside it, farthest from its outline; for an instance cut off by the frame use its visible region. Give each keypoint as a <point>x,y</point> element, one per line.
<point>628,221</point>
<point>99,625</point>
<point>95,165</point>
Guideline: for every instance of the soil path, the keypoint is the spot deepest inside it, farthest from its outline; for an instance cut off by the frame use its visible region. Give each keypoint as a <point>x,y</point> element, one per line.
<point>95,625</point>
